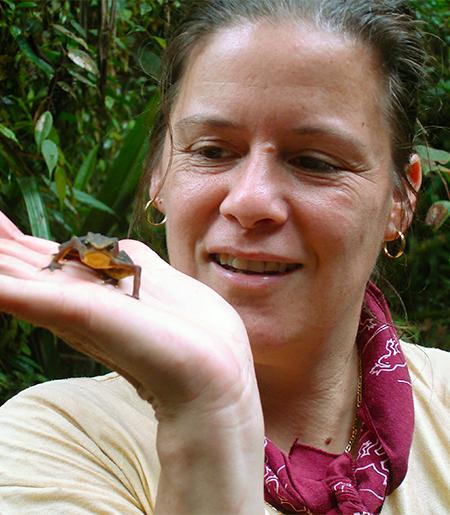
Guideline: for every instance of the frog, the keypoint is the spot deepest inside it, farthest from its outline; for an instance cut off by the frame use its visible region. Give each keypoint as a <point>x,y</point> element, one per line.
<point>100,253</point>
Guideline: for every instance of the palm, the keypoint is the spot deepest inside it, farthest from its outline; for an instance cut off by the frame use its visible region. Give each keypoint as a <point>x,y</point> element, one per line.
<point>180,342</point>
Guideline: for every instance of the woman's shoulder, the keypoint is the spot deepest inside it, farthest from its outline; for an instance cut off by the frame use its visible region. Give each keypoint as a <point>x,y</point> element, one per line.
<point>425,489</point>
<point>73,392</point>
<point>91,435</point>
<point>94,407</point>
<point>429,369</point>
<point>415,352</point>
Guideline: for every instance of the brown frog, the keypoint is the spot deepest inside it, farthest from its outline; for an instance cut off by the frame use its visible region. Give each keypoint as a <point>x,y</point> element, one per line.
<point>100,253</point>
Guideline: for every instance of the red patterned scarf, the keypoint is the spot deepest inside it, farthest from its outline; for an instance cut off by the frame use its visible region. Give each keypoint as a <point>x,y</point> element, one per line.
<point>310,480</point>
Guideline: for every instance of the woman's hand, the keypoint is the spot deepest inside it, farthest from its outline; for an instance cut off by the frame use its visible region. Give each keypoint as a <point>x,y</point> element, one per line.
<point>178,342</point>
<point>181,345</point>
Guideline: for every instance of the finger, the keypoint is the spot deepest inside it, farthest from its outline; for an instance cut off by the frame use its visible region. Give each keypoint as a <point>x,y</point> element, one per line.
<point>14,267</point>
<point>72,271</point>
<point>63,303</point>
<point>7,228</point>
<point>38,244</point>
<point>23,252</point>
<point>90,319</point>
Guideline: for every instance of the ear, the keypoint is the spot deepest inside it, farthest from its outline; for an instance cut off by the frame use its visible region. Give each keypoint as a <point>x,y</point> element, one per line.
<point>402,210</point>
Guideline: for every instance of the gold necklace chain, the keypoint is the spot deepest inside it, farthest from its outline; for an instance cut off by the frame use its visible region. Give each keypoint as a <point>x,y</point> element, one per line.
<point>355,425</point>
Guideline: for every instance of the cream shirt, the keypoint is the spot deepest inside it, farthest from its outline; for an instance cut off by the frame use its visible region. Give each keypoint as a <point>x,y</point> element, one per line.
<point>88,445</point>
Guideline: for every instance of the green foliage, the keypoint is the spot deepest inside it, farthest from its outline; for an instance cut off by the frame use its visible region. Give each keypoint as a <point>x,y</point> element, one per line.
<point>17,367</point>
<point>77,100</point>
<point>422,277</point>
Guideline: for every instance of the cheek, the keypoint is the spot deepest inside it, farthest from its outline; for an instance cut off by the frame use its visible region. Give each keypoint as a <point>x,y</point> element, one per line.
<point>349,223</point>
<point>192,204</point>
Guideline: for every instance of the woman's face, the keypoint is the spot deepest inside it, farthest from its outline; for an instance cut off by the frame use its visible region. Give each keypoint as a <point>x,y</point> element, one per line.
<point>280,192</point>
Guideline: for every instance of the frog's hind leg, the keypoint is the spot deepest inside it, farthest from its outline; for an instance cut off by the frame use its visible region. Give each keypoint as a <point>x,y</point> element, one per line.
<point>107,279</point>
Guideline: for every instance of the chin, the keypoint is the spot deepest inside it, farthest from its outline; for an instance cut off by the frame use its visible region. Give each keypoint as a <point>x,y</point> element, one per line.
<point>265,335</point>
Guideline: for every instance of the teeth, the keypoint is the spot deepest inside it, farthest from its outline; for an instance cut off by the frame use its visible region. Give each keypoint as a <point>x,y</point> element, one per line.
<point>240,264</point>
<point>248,265</point>
<point>223,259</point>
<point>283,267</point>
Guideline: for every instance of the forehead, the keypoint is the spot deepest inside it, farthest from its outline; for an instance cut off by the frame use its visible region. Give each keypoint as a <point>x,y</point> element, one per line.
<point>282,69</point>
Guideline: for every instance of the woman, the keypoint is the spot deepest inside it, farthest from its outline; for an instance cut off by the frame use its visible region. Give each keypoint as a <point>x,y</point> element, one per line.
<point>284,166</point>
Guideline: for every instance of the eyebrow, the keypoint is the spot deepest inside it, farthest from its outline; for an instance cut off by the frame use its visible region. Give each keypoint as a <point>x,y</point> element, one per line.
<point>337,133</point>
<point>208,121</point>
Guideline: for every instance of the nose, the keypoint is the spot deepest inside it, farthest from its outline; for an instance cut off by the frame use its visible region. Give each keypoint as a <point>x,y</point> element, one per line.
<point>255,193</point>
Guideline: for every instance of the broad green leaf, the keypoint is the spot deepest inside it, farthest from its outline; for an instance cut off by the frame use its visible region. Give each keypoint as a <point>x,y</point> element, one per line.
<point>64,86</point>
<point>56,214</point>
<point>151,63</point>
<point>91,201</point>
<point>85,171</point>
<point>26,4</point>
<point>439,156</point>
<point>83,60</point>
<point>61,185</point>
<point>15,31</point>
<point>50,152</point>
<point>432,157</point>
<point>71,35</point>
<point>438,214</point>
<point>161,41</point>
<point>35,207</point>
<point>445,172</point>
<point>81,78</point>
<point>78,28</point>
<point>122,177</point>
<point>8,133</point>
<point>43,127</point>
<point>28,52</point>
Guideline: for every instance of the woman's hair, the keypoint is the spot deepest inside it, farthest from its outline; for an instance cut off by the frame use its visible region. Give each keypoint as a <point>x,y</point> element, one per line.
<point>388,27</point>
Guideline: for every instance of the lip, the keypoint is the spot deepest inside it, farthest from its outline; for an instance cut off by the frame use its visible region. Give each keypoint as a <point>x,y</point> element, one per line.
<point>251,281</point>
<point>243,282</point>
<point>252,255</point>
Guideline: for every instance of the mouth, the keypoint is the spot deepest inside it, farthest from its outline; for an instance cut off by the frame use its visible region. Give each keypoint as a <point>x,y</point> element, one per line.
<point>253,266</point>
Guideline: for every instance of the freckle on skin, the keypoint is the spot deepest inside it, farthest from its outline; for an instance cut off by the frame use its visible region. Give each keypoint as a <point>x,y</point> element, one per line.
<point>328,441</point>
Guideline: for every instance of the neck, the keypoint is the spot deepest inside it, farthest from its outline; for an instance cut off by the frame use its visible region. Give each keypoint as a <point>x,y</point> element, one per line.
<point>311,396</point>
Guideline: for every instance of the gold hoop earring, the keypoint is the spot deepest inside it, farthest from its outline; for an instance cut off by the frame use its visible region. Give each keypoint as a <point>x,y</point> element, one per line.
<point>148,217</point>
<point>401,249</point>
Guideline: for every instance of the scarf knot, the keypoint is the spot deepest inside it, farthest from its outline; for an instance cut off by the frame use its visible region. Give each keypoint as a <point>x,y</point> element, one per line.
<point>347,498</point>
<point>342,482</point>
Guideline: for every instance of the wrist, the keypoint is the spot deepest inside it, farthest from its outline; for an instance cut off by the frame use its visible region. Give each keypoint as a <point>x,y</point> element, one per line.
<point>212,461</point>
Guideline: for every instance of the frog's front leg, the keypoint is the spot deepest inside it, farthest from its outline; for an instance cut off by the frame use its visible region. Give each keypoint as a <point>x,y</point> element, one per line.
<point>136,281</point>
<point>63,250</point>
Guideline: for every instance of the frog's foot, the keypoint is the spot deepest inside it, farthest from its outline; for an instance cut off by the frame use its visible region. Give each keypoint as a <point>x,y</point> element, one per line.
<point>53,265</point>
<point>110,280</point>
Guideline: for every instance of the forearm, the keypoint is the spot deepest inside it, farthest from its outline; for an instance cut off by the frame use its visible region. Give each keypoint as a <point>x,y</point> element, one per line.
<point>212,466</point>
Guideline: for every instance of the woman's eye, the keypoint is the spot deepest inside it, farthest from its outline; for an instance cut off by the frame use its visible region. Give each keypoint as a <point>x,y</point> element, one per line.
<point>211,152</point>
<point>314,164</point>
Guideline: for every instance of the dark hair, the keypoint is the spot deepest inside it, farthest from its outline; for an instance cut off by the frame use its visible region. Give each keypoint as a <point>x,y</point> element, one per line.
<point>386,26</point>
